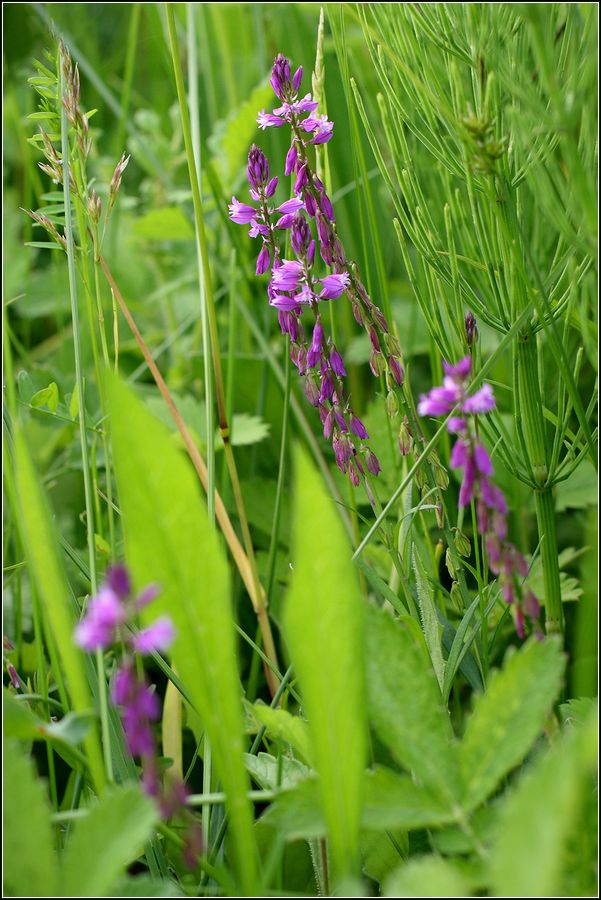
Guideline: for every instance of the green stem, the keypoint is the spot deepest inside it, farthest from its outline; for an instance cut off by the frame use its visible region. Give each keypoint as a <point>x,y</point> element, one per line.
<point>82,416</point>
<point>530,399</point>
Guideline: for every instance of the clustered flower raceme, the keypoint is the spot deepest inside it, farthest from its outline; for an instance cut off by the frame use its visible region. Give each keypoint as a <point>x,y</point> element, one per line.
<point>470,455</point>
<point>108,623</point>
<point>295,286</point>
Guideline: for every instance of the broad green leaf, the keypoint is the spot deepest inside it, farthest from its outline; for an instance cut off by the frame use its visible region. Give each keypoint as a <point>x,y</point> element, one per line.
<point>579,490</point>
<point>542,815</point>
<point>30,866</point>
<point>508,718</point>
<point>391,801</point>
<point>570,589</point>
<point>45,565</point>
<point>48,396</point>
<point>405,707</point>
<point>169,540</point>
<point>246,429</point>
<point>323,626</point>
<point>428,876</point>
<point>283,726</point>
<point>395,801</point>
<point>382,853</point>
<point>231,137</point>
<point>271,773</point>
<point>106,840</point>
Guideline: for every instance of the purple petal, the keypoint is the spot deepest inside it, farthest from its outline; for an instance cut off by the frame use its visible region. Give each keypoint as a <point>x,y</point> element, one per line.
<point>272,185</point>
<point>334,285</point>
<point>290,206</point>
<point>482,459</point>
<point>267,120</point>
<point>117,578</point>
<point>263,260</point>
<point>157,636</point>
<point>459,371</point>
<point>291,158</point>
<point>297,78</point>
<point>481,402</point>
<point>241,213</point>
<point>358,428</point>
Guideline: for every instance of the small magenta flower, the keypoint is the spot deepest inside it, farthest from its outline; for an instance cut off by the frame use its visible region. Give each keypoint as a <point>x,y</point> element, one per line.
<point>241,213</point>
<point>470,455</point>
<point>157,636</point>
<point>105,613</point>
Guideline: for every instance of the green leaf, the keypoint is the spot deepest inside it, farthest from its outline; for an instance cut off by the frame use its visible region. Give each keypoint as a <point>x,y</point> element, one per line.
<point>45,565</point>
<point>271,773</point>
<point>542,815</point>
<point>428,876</point>
<point>395,801</point>
<point>232,136</point>
<point>568,585</point>
<point>323,626</point>
<point>404,705</point>
<point>246,429</point>
<point>508,718</point>
<point>30,868</point>
<point>109,838</point>
<point>74,403</point>
<point>283,726</point>
<point>145,886</point>
<point>165,224</point>
<point>169,540</point>
<point>48,396</point>
<point>430,624</point>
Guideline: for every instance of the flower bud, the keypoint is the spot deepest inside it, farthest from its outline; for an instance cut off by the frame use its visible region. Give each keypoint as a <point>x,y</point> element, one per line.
<point>471,330</point>
<point>462,543</point>
<point>392,404</point>
<point>450,564</point>
<point>405,438</point>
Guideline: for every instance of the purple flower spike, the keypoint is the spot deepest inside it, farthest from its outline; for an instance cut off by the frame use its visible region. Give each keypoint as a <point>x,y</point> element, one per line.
<point>157,636</point>
<point>241,213</point>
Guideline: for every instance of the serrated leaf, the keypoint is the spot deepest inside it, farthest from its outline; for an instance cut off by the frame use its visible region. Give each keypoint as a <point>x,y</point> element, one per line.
<point>541,815</point>
<point>579,490</point>
<point>569,587</point>
<point>283,726</point>
<point>323,626</point>
<point>395,801</point>
<point>231,136</point>
<point>30,867</point>
<point>508,718</point>
<point>109,838</point>
<point>405,707</point>
<point>430,624</point>
<point>169,540</point>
